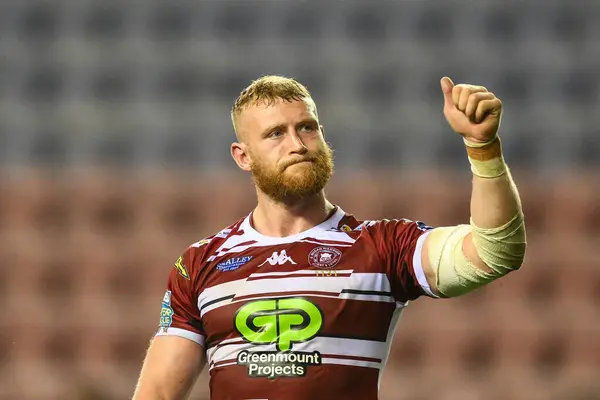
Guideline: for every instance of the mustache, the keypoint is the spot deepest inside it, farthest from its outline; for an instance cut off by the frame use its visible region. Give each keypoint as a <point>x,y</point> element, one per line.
<point>297,161</point>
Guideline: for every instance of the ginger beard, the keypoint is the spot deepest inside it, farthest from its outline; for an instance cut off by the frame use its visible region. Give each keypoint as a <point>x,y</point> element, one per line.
<point>290,181</point>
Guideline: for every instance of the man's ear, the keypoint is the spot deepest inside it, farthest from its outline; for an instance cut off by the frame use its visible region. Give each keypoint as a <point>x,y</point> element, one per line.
<point>239,152</point>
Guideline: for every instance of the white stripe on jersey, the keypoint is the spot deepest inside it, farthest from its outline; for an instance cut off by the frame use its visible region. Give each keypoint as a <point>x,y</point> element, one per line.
<point>309,272</point>
<point>329,244</point>
<point>367,297</point>
<point>376,287</point>
<point>324,345</point>
<point>356,363</point>
<point>195,337</point>
<point>390,336</point>
<point>222,365</point>
<point>418,265</point>
<point>223,234</point>
<point>324,360</point>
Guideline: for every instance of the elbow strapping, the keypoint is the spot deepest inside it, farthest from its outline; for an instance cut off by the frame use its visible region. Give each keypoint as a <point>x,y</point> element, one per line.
<point>502,249</point>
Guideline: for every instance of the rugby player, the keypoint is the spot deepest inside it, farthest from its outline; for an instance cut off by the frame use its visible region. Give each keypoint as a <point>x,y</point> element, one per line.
<point>300,299</point>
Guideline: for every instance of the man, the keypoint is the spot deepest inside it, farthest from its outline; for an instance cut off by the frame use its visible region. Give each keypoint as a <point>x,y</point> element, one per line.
<point>300,300</point>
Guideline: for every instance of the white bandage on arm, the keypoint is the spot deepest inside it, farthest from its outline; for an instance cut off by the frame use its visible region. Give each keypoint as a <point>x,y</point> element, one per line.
<point>501,249</point>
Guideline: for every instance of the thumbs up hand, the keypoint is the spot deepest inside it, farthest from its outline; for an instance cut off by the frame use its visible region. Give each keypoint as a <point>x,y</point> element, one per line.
<point>472,111</point>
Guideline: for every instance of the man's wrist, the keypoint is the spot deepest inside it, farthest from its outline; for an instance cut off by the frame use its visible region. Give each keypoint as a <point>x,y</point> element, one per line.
<point>477,144</point>
<point>486,158</point>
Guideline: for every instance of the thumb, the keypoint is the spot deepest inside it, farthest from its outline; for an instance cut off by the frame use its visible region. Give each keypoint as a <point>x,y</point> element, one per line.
<point>447,86</point>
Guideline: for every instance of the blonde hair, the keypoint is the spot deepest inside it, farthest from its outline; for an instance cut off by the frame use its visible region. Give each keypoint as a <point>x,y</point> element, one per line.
<point>268,90</point>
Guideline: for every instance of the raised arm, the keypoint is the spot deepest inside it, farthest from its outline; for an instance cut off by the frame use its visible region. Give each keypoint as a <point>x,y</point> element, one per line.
<point>459,259</point>
<point>170,369</point>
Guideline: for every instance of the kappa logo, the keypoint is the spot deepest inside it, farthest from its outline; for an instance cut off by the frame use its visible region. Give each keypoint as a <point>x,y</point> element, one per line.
<point>278,259</point>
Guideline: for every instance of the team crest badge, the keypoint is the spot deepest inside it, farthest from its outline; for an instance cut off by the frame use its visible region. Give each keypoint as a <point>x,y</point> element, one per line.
<point>323,257</point>
<point>180,267</point>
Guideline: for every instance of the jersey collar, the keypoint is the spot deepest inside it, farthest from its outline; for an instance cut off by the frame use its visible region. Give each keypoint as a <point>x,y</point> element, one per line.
<point>331,222</point>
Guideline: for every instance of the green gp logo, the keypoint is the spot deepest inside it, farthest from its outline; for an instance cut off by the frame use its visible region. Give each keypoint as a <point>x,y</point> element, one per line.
<point>279,321</point>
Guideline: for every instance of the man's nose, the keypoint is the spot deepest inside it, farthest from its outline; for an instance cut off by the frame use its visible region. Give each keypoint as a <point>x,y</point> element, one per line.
<point>297,145</point>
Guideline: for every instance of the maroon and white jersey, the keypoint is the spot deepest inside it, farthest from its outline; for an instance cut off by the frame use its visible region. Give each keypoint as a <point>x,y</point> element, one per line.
<point>308,316</point>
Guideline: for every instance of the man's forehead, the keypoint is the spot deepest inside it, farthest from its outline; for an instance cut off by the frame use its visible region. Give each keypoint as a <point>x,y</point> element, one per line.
<point>304,108</point>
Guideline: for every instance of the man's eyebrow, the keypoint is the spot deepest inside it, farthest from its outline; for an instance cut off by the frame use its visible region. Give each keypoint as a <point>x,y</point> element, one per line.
<point>272,128</point>
<point>307,120</point>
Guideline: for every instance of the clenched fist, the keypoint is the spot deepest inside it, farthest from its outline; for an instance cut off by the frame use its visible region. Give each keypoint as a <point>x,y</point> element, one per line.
<point>471,111</point>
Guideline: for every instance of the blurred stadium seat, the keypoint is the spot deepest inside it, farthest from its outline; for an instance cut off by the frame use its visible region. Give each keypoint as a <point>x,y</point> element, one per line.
<point>76,274</point>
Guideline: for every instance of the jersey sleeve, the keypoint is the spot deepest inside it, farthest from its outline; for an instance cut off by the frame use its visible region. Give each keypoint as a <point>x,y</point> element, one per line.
<point>400,244</point>
<point>179,313</point>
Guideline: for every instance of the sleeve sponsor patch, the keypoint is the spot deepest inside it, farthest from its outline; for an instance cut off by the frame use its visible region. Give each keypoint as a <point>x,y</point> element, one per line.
<point>166,312</point>
<point>201,243</point>
<point>180,267</point>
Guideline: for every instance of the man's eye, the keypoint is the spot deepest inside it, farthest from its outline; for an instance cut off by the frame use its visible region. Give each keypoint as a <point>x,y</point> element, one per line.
<point>276,134</point>
<point>307,128</point>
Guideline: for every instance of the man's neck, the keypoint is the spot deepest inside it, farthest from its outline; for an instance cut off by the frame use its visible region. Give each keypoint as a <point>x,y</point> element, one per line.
<point>280,220</point>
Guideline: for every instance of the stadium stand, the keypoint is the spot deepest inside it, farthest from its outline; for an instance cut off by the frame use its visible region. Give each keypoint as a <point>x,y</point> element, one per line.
<point>114,135</point>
